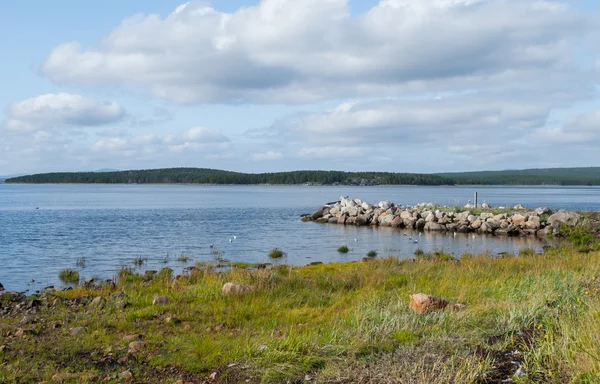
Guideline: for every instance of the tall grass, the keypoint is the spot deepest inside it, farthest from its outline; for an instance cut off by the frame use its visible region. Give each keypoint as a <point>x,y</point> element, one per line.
<point>341,323</point>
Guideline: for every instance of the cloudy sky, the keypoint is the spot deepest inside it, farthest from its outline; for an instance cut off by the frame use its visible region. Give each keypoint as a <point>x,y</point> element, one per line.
<point>276,85</point>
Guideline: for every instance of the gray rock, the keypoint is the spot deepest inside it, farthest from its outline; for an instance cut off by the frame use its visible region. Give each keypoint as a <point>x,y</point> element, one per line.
<point>570,219</point>
<point>233,289</point>
<point>126,375</point>
<point>430,217</point>
<point>98,302</point>
<point>161,300</point>
<point>542,211</point>
<point>76,331</point>
<point>485,206</point>
<point>385,205</point>
<point>518,206</point>
<point>433,226</point>
<point>319,212</point>
<point>406,215</point>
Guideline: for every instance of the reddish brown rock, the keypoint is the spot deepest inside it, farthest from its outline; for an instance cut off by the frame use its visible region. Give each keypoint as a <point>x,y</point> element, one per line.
<point>422,303</point>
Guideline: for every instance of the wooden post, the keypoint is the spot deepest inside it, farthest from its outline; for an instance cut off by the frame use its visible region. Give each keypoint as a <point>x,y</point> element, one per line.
<point>475,199</point>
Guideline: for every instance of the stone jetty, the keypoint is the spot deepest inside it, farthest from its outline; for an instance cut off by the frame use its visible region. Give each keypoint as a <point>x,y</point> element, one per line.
<point>507,221</point>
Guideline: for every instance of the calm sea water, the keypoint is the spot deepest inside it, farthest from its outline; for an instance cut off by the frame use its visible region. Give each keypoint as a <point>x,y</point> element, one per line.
<point>46,228</point>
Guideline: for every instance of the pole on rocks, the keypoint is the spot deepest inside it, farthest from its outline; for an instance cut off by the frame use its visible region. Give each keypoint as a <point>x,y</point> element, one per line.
<point>475,199</point>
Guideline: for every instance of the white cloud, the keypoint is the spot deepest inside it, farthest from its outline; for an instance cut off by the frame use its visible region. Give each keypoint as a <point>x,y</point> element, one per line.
<point>305,50</point>
<point>60,110</point>
<point>198,139</point>
<point>269,155</point>
<point>334,152</point>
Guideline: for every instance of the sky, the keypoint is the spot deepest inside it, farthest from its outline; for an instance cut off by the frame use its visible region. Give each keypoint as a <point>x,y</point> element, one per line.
<point>280,85</point>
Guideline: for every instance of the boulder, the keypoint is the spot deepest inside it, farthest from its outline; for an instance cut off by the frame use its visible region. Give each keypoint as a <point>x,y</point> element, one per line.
<point>430,217</point>
<point>397,222</point>
<point>353,211</point>
<point>1,287</point>
<point>232,289</point>
<point>570,219</point>
<point>542,211</point>
<point>161,300</point>
<point>422,303</point>
<point>518,219</point>
<point>410,223</point>
<point>433,226</point>
<point>476,224</point>
<point>126,375</point>
<point>485,206</point>
<point>406,215</point>
<point>361,220</point>
<point>366,206</point>
<point>420,224</point>
<point>319,213</point>
<point>533,222</point>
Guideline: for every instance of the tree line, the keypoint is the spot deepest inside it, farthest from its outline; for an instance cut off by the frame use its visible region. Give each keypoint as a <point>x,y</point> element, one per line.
<point>548,176</point>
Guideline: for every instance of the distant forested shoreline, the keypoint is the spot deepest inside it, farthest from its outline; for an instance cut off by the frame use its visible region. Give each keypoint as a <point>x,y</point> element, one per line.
<point>547,176</point>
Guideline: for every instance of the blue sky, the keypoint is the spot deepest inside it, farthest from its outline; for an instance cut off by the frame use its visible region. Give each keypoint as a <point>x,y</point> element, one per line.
<point>391,85</point>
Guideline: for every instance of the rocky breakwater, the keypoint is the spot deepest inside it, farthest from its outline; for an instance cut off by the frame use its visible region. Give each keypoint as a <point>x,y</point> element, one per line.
<point>508,221</point>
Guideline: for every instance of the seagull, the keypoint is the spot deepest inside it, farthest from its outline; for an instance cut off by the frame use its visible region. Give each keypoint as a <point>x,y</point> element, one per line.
<point>454,234</point>
<point>355,239</point>
<point>409,237</point>
<point>212,245</point>
<point>473,235</point>
<point>416,241</point>
<point>230,240</point>
<point>404,233</point>
<point>234,237</point>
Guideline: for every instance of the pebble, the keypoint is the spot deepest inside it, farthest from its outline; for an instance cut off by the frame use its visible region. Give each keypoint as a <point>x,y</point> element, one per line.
<point>126,375</point>
<point>161,300</point>
<point>135,346</point>
<point>76,331</point>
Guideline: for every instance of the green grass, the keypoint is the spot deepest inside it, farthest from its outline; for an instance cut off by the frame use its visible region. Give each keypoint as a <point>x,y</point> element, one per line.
<point>334,322</point>
<point>276,253</point>
<point>69,276</point>
<point>372,253</point>
<point>183,258</point>
<point>343,249</point>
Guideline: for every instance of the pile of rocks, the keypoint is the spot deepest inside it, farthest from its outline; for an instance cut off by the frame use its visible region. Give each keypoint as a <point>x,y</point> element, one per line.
<point>514,221</point>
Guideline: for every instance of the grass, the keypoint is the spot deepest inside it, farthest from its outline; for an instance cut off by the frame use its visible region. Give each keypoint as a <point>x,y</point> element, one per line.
<point>276,253</point>
<point>372,253</point>
<point>69,276</point>
<point>337,323</point>
<point>183,258</point>
<point>343,249</point>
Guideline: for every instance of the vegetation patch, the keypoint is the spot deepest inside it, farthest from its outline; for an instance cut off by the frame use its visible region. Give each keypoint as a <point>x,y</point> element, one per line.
<point>372,253</point>
<point>276,253</point>
<point>343,249</point>
<point>69,276</point>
